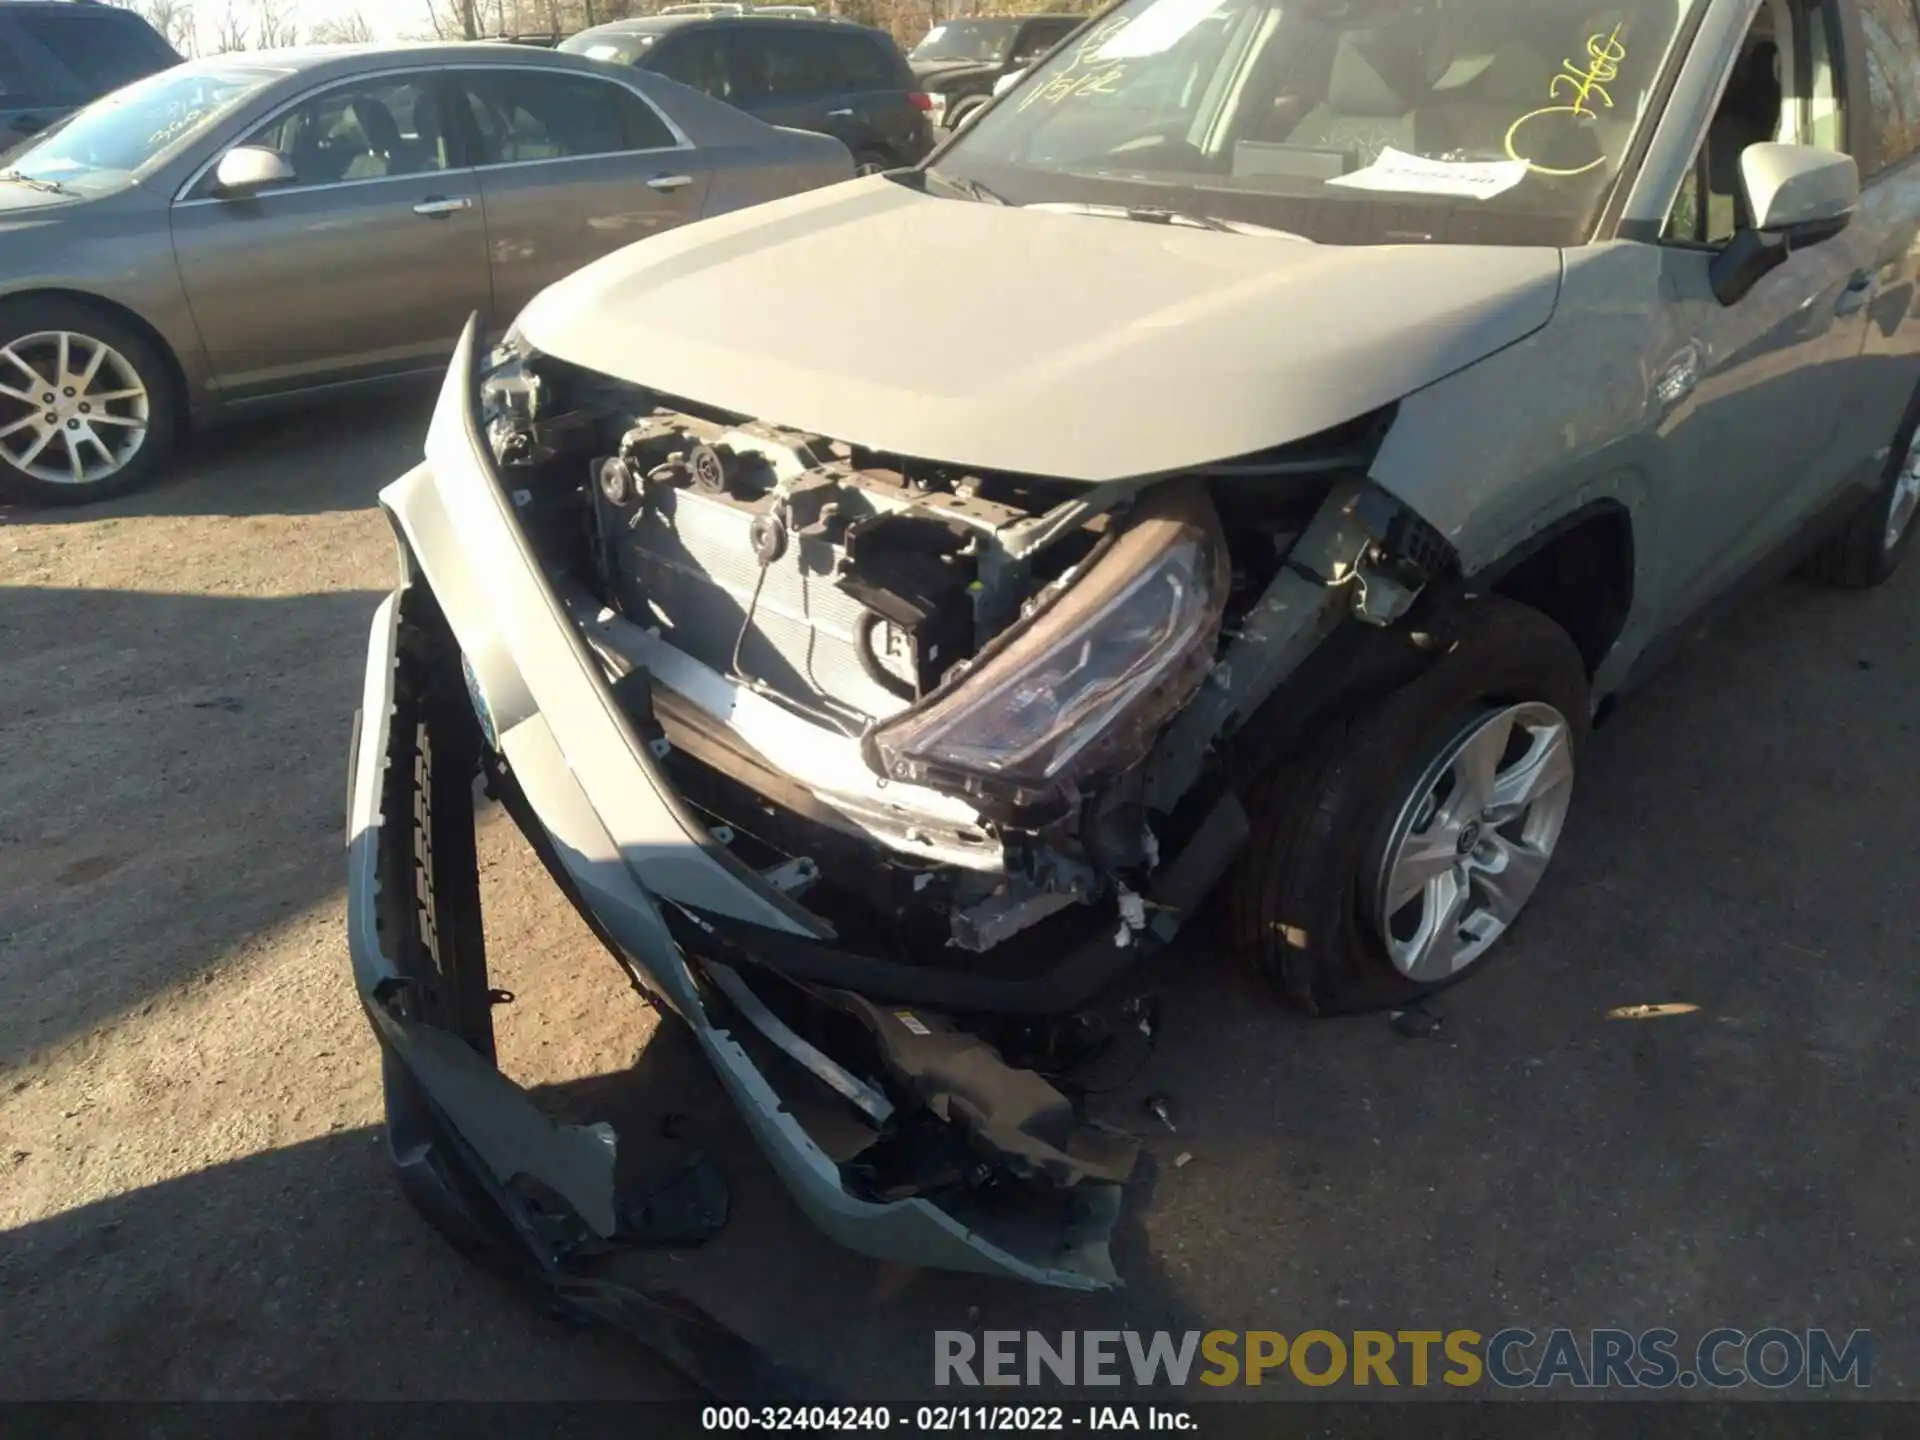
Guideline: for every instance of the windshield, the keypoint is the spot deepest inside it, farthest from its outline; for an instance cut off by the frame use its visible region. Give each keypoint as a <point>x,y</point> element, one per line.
<point>986,41</point>
<point>107,145</point>
<point>1346,121</point>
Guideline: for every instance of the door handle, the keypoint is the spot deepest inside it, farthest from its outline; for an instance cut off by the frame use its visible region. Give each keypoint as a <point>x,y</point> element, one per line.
<point>436,205</point>
<point>669,182</point>
<point>839,114</point>
<point>1860,288</point>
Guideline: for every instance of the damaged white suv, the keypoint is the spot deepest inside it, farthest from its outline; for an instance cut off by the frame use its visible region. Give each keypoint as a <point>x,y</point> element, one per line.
<point>1251,452</point>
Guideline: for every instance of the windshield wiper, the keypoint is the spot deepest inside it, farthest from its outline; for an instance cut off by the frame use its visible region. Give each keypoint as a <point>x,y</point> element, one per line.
<point>972,189</point>
<point>34,182</point>
<point>1153,215</point>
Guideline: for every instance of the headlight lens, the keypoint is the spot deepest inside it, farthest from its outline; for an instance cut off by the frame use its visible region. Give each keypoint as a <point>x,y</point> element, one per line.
<point>1081,690</point>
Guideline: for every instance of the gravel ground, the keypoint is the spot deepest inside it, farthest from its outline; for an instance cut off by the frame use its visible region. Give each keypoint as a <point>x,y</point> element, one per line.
<point>194,1200</point>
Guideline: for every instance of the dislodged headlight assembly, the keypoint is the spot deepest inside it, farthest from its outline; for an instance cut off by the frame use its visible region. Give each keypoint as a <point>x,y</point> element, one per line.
<point>1078,690</point>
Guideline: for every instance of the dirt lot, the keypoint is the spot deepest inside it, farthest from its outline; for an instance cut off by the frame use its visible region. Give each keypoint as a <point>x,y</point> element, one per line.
<point>194,1200</point>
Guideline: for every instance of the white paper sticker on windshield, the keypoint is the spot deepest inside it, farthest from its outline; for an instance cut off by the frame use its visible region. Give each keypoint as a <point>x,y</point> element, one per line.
<point>603,52</point>
<point>1157,29</point>
<point>1416,175</point>
<point>932,35</point>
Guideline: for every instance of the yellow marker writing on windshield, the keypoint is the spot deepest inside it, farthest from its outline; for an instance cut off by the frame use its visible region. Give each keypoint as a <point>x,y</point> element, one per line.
<point>1074,79</point>
<point>1580,86</point>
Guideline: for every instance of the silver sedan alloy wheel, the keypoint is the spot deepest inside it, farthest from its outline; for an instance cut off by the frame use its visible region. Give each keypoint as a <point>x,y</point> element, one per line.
<point>1906,496</point>
<point>73,410</point>
<point>1472,839</point>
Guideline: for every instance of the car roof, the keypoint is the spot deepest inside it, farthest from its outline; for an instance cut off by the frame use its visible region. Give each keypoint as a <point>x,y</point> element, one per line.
<point>656,24</point>
<point>326,60</point>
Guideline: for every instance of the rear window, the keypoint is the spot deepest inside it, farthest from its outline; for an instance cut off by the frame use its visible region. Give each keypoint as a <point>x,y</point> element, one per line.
<point>106,50</point>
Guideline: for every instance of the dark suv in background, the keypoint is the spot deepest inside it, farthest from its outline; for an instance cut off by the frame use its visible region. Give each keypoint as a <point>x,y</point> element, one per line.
<point>840,79</point>
<point>57,55</point>
<point>959,61</point>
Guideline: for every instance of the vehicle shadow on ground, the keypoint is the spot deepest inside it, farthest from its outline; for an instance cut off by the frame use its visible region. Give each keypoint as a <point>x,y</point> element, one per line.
<point>330,454</point>
<point>162,798</point>
<point>1535,1160</point>
<point>303,1273</point>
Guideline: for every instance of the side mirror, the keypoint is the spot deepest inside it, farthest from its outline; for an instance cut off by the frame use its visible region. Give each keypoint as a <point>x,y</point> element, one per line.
<point>1799,192</point>
<point>247,169</point>
<point>1798,195</point>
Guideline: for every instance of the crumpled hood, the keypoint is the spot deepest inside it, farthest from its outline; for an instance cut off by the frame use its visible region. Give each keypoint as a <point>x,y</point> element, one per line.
<point>1014,339</point>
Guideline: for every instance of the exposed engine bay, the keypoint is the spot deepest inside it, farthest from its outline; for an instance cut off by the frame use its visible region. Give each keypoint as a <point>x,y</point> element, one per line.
<point>930,704</point>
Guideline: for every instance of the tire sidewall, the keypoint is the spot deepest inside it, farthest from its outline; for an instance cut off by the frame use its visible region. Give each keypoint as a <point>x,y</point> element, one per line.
<point>1366,779</point>
<point>30,316</point>
<point>1885,559</point>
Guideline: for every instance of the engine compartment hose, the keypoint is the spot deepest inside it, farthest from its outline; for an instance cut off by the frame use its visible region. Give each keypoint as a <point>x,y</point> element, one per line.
<point>863,629</point>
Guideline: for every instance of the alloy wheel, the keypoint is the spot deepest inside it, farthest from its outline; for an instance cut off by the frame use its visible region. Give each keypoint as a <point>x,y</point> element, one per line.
<point>1472,839</point>
<point>1906,496</point>
<point>73,410</point>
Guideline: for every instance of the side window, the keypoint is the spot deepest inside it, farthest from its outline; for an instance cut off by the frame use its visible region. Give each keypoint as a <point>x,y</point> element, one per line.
<point>105,51</point>
<point>858,62</point>
<point>641,125</point>
<point>1892,63</point>
<point>791,63</point>
<point>698,61</point>
<point>524,115</point>
<point>368,131</point>
<point>1782,87</point>
<point>23,87</point>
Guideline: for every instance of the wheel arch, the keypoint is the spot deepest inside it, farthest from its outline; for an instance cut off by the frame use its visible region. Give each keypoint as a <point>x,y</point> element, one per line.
<point>1578,571</point>
<point>176,375</point>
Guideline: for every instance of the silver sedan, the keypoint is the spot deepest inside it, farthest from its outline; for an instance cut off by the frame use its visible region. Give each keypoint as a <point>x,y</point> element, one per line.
<point>245,228</point>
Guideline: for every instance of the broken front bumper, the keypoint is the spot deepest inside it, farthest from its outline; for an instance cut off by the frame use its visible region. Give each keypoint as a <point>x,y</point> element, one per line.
<point>623,845</point>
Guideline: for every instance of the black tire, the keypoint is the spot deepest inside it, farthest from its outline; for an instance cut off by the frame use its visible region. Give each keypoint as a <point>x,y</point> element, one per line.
<point>1296,905</point>
<point>871,162</point>
<point>31,316</point>
<point>1857,557</point>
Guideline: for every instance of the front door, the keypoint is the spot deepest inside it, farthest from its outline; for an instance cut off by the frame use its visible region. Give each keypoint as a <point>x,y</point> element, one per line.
<point>368,264</point>
<point>1757,397</point>
<point>572,167</point>
<point>1886,232</point>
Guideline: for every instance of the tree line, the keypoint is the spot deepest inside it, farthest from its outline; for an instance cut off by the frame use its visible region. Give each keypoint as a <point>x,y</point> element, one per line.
<point>272,24</point>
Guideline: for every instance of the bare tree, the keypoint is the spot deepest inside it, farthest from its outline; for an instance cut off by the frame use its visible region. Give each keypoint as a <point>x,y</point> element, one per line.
<point>454,19</point>
<point>230,33</point>
<point>350,29</point>
<point>276,27</point>
<point>172,18</point>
